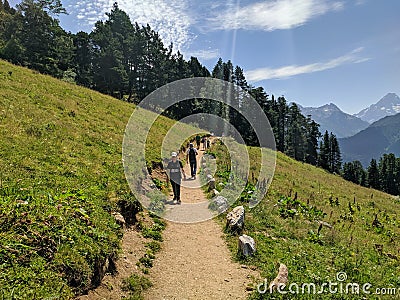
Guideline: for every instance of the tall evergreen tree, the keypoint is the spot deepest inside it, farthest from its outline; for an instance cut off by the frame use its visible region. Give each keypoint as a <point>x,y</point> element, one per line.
<point>37,40</point>
<point>373,175</point>
<point>296,140</point>
<point>280,135</point>
<point>335,154</point>
<point>313,134</point>
<point>324,152</point>
<point>83,59</point>
<point>354,172</point>
<point>387,171</point>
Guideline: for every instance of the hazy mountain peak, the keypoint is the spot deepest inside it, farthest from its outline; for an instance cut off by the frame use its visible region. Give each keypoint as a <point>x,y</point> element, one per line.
<point>389,105</point>
<point>332,118</point>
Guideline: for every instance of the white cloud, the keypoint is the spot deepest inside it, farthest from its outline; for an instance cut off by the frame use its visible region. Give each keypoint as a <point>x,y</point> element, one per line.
<point>204,54</point>
<point>293,70</point>
<point>360,2</point>
<point>272,15</point>
<point>170,18</point>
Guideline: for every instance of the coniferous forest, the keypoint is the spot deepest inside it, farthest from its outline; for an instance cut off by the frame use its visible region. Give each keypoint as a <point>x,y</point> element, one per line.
<point>129,61</point>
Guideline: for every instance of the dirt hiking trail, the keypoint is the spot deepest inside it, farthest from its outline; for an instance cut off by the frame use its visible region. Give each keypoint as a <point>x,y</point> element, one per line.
<point>195,262</point>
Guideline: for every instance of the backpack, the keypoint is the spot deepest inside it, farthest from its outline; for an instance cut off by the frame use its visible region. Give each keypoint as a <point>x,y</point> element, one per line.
<point>192,154</point>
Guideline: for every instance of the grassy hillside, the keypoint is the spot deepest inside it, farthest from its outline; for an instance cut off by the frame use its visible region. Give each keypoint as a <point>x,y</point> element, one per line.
<point>363,240</point>
<point>61,177</point>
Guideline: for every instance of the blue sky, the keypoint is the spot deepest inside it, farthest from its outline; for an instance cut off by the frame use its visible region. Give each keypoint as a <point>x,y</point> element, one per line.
<point>312,51</point>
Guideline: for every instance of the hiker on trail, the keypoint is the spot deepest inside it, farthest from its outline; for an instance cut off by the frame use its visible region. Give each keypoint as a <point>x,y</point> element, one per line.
<point>198,139</point>
<point>208,143</point>
<point>175,172</point>
<point>191,158</point>
<point>203,141</point>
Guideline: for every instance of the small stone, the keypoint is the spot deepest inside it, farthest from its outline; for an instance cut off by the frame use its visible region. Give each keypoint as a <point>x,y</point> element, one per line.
<point>235,219</point>
<point>247,245</point>
<point>281,278</point>
<point>119,219</point>
<point>220,203</point>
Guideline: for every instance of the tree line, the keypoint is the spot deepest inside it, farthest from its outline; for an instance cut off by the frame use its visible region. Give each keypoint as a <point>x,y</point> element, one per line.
<point>128,61</point>
<point>382,175</point>
<point>117,57</point>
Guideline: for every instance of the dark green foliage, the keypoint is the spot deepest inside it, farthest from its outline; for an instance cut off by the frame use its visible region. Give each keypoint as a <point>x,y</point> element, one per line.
<point>354,172</point>
<point>384,177</point>
<point>329,157</point>
<point>289,208</point>
<point>389,170</point>
<point>36,40</point>
<point>50,253</point>
<point>154,232</point>
<point>373,175</point>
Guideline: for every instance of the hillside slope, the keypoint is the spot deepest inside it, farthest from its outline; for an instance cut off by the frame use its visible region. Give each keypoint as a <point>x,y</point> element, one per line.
<point>61,177</point>
<point>318,225</point>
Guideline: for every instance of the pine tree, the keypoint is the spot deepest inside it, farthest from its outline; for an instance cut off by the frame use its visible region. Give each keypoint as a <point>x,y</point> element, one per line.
<point>324,152</point>
<point>37,40</point>
<point>83,59</point>
<point>280,136</point>
<point>373,175</point>
<point>6,6</point>
<point>335,154</point>
<point>348,172</point>
<point>296,140</point>
<point>387,171</point>
<point>313,134</point>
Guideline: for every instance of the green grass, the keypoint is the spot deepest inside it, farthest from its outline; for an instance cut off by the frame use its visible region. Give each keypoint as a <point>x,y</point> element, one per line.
<point>286,229</point>
<point>136,285</point>
<point>61,177</point>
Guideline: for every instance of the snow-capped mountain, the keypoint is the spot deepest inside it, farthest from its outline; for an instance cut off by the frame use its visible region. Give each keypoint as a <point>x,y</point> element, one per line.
<point>331,118</point>
<point>387,106</point>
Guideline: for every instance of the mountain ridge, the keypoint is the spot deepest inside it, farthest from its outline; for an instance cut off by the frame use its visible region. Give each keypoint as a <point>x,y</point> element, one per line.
<point>382,136</point>
<point>333,119</point>
<point>387,106</point>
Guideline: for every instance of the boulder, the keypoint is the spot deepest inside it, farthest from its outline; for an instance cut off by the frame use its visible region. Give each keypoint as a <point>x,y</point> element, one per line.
<point>235,219</point>
<point>211,184</point>
<point>247,245</point>
<point>220,204</point>
<point>281,279</point>
<point>119,219</point>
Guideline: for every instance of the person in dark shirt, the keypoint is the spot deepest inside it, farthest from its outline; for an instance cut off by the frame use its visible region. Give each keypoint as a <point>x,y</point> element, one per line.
<point>191,158</point>
<point>175,172</point>
<point>198,139</point>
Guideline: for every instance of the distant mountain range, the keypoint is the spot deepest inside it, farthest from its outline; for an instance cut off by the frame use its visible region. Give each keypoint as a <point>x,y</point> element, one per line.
<point>381,137</point>
<point>366,135</point>
<point>387,106</point>
<point>331,118</point>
